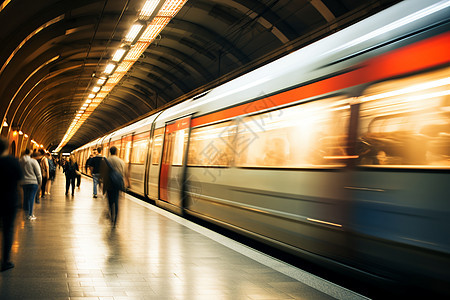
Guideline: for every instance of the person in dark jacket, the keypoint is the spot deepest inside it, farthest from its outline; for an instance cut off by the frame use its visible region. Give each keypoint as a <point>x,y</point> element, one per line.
<point>71,170</point>
<point>10,175</point>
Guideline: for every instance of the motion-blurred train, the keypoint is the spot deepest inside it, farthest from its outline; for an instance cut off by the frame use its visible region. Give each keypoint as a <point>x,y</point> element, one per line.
<point>338,152</point>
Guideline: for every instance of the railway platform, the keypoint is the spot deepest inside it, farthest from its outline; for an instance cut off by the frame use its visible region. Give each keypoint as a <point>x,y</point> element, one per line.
<point>71,251</point>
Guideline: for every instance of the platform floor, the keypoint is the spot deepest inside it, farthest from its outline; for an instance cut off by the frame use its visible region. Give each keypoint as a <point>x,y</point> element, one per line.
<point>71,252</point>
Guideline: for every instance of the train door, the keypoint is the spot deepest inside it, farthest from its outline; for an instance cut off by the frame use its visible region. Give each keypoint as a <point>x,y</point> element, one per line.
<point>173,161</point>
<point>154,163</point>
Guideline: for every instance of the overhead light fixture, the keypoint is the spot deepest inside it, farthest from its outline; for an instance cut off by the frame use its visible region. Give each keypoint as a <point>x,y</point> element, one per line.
<point>26,135</point>
<point>88,101</point>
<point>109,68</point>
<point>20,132</point>
<point>101,80</point>
<point>135,44</point>
<point>5,124</point>
<point>148,9</point>
<point>95,89</point>
<point>132,35</point>
<point>91,96</point>
<point>119,54</point>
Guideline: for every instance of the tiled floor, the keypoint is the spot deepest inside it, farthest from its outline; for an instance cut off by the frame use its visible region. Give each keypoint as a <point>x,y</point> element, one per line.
<point>71,252</point>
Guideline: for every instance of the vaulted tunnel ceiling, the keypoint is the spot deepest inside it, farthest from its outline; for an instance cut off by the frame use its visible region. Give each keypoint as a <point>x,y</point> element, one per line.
<point>51,52</point>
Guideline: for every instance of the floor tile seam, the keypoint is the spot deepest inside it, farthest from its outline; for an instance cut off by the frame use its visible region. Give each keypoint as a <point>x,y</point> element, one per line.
<point>309,279</point>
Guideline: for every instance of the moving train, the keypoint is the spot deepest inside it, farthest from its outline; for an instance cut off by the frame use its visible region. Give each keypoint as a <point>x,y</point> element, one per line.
<point>338,152</point>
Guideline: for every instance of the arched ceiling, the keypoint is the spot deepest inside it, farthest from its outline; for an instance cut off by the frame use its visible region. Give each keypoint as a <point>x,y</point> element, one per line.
<point>52,49</point>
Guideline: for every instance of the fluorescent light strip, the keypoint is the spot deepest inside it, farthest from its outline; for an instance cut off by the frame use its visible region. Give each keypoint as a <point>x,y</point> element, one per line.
<point>136,51</point>
<point>134,31</point>
<point>109,68</point>
<point>148,9</point>
<point>169,9</point>
<point>118,55</point>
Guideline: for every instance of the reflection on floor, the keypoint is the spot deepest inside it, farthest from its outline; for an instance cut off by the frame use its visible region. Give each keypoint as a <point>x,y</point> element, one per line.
<point>71,252</point>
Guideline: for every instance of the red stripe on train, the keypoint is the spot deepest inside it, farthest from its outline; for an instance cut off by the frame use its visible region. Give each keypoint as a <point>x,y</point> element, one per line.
<point>412,58</point>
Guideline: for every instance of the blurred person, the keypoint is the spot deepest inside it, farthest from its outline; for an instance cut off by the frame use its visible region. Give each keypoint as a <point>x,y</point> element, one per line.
<point>50,171</point>
<point>70,170</point>
<point>113,185</point>
<point>9,179</point>
<point>94,166</point>
<point>31,181</point>
<point>52,167</point>
<point>88,161</point>
<point>43,163</point>
<point>36,156</point>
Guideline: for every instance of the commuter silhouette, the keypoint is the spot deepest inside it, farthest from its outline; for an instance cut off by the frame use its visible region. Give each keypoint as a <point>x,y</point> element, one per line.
<point>31,181</point>
<point>9,178</point>
<point>71,170</point>
<point>113,183</point>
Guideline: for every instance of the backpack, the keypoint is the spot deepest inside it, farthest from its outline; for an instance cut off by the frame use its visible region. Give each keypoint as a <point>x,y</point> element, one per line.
<point>115,178</point>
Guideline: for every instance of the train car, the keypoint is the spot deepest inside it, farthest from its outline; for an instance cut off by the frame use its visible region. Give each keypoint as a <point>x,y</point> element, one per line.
<point>338,152</point>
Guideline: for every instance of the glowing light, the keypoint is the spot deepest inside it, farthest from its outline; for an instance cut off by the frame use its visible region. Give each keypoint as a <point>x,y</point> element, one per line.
<point>136,51</point>
<point>109,68</point>
<point>171,8</point>
<point>101,81</point>
<point>91,96</point>
<point>95,89</point>
<point>155,27</point>
<point>148,9</point>
<point>20,132</point>
<point>119,54</point>
<point>26,135</point>
<point>88,101</point>
<point>134,31</point>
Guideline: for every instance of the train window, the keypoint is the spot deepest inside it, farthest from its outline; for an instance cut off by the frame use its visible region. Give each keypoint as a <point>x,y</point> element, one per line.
<point>212,145</point>
<point>406,122</point>
<point>312,134</point>
<point>126,143</point>
<point>179,142</point>
<point>157,145</point>
<point>140,142</point>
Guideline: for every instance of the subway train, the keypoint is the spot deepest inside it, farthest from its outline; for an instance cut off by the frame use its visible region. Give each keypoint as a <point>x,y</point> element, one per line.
<point>338,152</point>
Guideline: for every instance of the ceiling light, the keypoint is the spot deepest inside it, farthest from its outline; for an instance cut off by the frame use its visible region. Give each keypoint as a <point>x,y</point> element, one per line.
<point>171,8</point>
<point>91,96</point>
<point>95,89</point>
<point>20,132</point>
<point>119,54</point>
<point>88,101</point>
<point>148,9</point>
<point>101,81</point>
<point>26,135</point>
<point>109,68</point>
<point>133,33</point>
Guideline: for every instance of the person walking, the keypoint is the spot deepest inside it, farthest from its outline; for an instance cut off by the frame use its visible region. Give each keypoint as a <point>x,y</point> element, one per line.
<point>113,183</point>
<point>31,180</point>
<point>10,176</point>
<point>45,171</point>
<point>94,166</point>
<point>70,169</point>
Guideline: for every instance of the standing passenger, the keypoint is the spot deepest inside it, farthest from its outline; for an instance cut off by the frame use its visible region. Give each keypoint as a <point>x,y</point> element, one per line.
<point>9,178</point>
<point>31,181</point>
<point>94,166</point>
<point>45,172</point>
<point>50,171</point>
<point>70,169</point>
